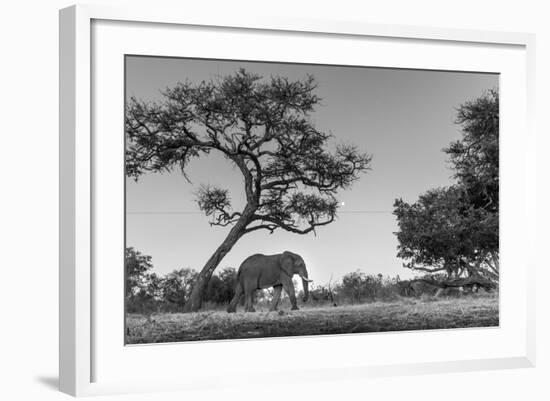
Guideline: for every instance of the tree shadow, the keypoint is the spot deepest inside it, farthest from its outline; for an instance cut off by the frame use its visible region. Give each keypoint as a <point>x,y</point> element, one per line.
<point>51,382</point>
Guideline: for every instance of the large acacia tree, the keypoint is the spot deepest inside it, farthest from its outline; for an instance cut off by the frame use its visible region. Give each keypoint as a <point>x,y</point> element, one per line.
<point>263,126</point>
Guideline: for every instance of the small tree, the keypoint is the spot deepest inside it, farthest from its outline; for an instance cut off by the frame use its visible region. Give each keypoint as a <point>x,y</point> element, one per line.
<point>142,286</point>
<point>290,178</point>
<point>138,268</point>
<point>176,286</point>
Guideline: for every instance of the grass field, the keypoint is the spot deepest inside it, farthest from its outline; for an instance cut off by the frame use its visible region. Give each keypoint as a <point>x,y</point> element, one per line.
<point>405,314</point>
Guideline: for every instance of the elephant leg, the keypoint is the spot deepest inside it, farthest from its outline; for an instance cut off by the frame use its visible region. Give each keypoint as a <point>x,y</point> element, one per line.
<point>289,288</point>
<point>233,304</point>
<point>252,299</point>
<point>276,297</point>
<point>249,305</point>
<point>248,297</point>
<point>246,301</point>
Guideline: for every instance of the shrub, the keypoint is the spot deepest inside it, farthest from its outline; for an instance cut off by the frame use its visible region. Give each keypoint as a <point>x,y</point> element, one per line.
<point>358,287</point>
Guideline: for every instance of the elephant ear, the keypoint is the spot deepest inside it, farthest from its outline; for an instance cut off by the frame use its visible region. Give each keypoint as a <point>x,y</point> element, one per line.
<point>287,263</point>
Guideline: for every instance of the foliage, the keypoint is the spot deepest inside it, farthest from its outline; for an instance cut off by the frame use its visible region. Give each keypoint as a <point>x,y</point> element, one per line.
<point>358,287</point>
<point>176,286</point>
<point>263,126</point>
<point>148,292</point>
<point>170,292</point>
<point>141,285</point>
<point>138,267</point>
<point>455,229</point>
<point>442,231</point>
<point>321,293</point>
<point>221,287</point>
<point>475,158</point>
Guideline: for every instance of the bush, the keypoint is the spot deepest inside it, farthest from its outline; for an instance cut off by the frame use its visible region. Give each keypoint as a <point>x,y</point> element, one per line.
<point>175,289</point>
<point>147,292</point>
<point>221,287</point>
<point>358,287</point>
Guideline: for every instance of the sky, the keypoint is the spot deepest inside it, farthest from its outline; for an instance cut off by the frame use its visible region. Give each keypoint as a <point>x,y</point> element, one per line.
<point>403,118</point>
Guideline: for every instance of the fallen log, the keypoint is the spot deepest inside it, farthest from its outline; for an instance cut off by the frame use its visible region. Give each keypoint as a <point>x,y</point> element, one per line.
<point>472,281</point>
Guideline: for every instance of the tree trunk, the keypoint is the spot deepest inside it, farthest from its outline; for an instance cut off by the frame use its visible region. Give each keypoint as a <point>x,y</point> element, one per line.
<point>199,287</point>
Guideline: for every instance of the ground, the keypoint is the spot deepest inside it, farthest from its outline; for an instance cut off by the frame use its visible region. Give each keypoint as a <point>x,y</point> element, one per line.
<point>404,314</point>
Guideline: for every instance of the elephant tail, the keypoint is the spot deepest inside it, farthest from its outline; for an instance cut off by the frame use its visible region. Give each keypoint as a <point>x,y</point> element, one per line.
<point>238,278</point>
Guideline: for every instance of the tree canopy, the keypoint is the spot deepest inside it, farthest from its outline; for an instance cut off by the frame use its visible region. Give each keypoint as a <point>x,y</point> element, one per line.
<point>475,157</point>
<point>290,173</point>
<point>456,229</point>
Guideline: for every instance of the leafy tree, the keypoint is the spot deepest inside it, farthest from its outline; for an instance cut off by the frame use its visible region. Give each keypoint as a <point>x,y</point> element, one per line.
<point>455,229</point>
<point>221,287</point>
<point>443,232</point>
<point>142,286</point>
<point>138,268</point>
<point>262,126</point>
<point>176,286</point>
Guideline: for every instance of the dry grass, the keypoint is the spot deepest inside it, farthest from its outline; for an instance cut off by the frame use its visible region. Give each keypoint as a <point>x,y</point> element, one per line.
<point>405,314</point>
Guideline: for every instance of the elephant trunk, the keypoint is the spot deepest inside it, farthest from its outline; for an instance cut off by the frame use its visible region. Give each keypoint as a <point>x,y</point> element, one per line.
<point>305,284</point>
<point>306,290</point>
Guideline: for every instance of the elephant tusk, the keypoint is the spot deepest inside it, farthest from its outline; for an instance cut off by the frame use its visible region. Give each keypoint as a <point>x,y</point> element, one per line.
<point>306,279</point>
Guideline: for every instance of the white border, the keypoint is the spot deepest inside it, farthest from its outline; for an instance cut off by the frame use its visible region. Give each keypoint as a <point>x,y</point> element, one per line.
<point>76,192</point>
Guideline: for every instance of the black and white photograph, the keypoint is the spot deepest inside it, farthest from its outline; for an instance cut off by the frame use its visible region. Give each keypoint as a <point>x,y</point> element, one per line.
<point>267,199</point>
<point>243,200</point>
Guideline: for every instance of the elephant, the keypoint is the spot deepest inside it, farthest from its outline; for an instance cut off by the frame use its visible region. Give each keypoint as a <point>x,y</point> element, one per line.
<point>263,271</point>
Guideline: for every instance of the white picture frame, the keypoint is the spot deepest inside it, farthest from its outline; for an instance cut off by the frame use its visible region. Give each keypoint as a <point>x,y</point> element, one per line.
<point>90,358</point>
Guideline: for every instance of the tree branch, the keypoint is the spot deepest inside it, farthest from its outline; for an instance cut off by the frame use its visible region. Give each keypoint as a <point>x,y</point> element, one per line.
<point>291,227</point>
